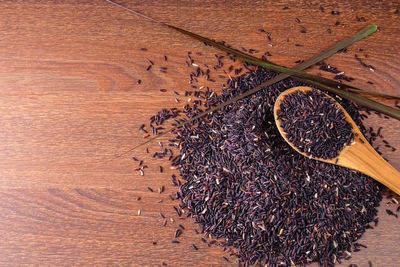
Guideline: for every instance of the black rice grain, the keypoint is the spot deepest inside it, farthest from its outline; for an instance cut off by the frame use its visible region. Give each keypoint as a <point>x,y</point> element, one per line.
<point>178,232</point>
<point>363,63</point>
<point>391,213</point>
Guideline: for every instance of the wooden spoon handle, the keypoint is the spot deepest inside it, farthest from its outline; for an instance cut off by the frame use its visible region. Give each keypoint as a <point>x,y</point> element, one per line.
<point>363,157</point>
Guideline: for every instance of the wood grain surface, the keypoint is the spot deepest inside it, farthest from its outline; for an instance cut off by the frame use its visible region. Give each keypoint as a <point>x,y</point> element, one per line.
<point>69,101</point>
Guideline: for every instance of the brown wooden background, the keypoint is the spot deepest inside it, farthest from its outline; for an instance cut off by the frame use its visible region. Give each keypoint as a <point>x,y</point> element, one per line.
<point>69,101</point>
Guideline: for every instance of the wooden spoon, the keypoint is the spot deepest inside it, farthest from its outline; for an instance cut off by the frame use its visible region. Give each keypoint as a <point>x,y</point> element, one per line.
<point>358,155</point>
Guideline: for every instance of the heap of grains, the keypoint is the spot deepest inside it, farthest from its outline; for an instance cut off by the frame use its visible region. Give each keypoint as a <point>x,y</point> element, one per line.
<point>245,185</point>
<point>314,124</point>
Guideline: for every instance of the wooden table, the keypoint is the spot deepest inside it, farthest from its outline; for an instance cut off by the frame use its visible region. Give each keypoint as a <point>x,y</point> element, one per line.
<point>69,101</point>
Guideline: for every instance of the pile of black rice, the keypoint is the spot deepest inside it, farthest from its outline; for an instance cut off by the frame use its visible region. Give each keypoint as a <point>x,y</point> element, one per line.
<point>244,185</point>
<point>314,124</point>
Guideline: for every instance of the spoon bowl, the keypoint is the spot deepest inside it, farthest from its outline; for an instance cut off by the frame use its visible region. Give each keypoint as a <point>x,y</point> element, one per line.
<point>358,155</point>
